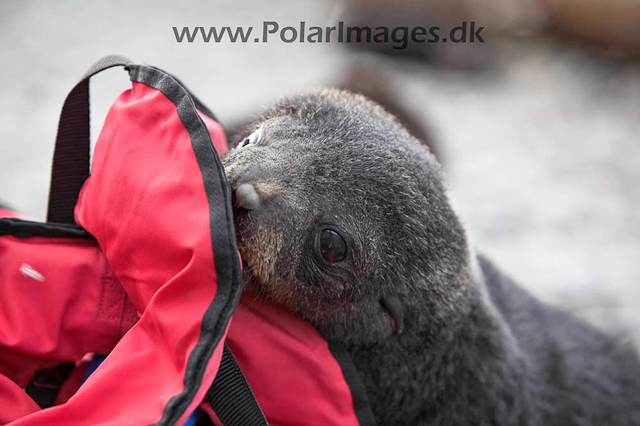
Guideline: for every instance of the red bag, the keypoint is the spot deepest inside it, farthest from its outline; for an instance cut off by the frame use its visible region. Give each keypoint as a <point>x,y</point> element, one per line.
<point>148,272</point>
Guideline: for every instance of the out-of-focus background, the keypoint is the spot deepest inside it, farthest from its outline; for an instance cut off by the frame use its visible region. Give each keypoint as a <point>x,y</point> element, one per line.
<point>538,128</point>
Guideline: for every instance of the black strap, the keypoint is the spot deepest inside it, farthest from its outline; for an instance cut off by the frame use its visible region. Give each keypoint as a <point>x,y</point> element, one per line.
<point>71,156</point>
<point>231,396</point>
<point>21,228</point>
<point>45,384</point>
<point>351,375</point>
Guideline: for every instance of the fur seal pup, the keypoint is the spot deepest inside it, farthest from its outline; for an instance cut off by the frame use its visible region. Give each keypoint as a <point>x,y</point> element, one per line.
<point>343,218</point>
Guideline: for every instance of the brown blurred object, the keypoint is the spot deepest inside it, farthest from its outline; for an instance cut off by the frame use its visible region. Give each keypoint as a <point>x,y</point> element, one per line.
<point>498,17</point>
<point>613,25</point>
<point>610,25</point>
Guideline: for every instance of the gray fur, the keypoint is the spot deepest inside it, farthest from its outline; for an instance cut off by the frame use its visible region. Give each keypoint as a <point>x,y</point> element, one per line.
<point>472,348</point>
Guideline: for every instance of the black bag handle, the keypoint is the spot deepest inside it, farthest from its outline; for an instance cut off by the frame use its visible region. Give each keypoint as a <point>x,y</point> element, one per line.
<point>71,155</point>
<point>230,395</point>
<point>71,158</point>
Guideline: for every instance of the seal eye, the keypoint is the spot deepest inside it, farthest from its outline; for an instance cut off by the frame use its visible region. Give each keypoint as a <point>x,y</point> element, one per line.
<point>253,139</point>
<point>332,246</point>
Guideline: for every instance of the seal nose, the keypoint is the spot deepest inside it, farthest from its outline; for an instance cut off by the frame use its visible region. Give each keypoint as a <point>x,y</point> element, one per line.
<point>246,197</point>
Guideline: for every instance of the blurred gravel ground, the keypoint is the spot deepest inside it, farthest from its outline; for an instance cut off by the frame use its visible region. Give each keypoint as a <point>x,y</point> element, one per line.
<point>541,151</point>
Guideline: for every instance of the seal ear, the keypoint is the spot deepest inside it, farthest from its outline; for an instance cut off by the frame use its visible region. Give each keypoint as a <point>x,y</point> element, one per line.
<point>395,309</point>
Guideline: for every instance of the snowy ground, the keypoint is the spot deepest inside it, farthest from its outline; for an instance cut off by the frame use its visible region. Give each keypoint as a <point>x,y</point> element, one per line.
<point>542,151</point>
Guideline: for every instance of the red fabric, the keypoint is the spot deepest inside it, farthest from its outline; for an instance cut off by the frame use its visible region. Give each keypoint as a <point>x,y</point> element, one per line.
<point>7,213</point>
<point>59,301</point>
<point>57,317</point>
<point>289,366</point>
<point>216,131</point>
<point>146,205</point>
<point>14,402</point>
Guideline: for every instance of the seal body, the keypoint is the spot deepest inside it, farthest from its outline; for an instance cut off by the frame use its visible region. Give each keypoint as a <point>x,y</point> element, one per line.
<point>343,218</point>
